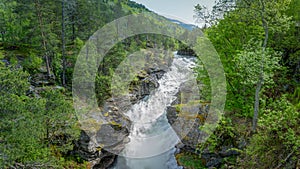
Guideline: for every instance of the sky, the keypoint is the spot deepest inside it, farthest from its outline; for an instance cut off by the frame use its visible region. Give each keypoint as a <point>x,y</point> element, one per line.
<point>182,10</point>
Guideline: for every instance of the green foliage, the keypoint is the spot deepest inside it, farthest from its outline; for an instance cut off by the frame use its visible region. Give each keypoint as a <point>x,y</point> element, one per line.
<point>32,63</point>
<point>204,80</point>
<point>12,81</point>
<point>36,26</point>
<point>1,57</point>
<point>190,161</point>
<point>240,48</point>
<point>20,128</point>
<point>278,133</point>
<point>295,98</point>
<point>1,54</point>
<point>30,125</point>
<point>251,63</point>
<point>78,43</point>
<point>61,123</point>
<point>238,36</point>
<point>23,131</point>
<point>13,61</point>
<point>228,40</point>
<point>252,60</point>
<point>42,130</point>
<point>223,135</point>
<point>283,118</point>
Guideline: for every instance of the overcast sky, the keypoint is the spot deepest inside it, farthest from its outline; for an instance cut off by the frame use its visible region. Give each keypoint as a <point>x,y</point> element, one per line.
<point>179,9</point>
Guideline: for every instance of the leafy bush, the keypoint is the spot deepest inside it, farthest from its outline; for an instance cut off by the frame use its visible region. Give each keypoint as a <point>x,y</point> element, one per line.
<point>278,136</point>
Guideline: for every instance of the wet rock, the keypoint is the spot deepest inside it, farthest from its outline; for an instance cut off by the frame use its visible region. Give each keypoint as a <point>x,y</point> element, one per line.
<point>86,149</point>
<point>214,163</point>
<point>105,162</point>
<point>147,83</point>
<point>227,152</point>
<point>186,52</point>
<point>111,135</point>
<point>100,147</point>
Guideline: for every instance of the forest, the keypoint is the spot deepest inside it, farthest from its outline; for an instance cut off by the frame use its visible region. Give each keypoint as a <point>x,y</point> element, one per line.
<point>258,44</point>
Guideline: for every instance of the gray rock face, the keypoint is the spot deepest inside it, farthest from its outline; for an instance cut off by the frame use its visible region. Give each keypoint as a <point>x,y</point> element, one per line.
<point>192,122</point>
<point>86,149</point>
<point>90,151</point>
<point>147,83</point>
<point>190,115</point>
<point>104,135</point>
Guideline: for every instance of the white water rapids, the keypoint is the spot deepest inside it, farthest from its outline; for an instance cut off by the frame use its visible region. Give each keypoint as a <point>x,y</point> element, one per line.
<point>152,139</point>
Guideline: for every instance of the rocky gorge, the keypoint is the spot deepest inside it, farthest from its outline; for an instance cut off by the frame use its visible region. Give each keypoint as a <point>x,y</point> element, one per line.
<point>100,143</point>
<point>92,145</point>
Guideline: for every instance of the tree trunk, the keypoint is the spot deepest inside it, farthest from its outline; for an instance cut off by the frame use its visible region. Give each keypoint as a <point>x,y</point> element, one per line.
<point>256,103</point>
<point>63,44</point>
<point>44,41</point>
<point>73,28</point>
<point>260,82</point>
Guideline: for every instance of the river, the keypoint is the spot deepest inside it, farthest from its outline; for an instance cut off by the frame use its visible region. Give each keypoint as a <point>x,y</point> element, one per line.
<point>152,139</point>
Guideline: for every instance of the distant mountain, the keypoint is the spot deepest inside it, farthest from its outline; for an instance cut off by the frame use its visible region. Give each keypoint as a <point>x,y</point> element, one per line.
<point>184,25</point>
<point>143,8</point>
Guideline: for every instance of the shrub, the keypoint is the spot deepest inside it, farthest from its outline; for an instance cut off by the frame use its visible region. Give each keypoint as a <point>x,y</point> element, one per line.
<point>278,136</point>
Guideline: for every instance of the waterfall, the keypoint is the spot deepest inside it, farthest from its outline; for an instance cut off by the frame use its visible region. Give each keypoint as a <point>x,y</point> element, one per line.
<point>152,139</point>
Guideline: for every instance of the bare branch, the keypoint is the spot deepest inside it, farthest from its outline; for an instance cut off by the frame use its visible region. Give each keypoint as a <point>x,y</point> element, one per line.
<point>284,161</point>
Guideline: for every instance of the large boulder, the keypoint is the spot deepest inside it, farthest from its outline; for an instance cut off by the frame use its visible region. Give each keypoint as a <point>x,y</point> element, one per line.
<point>187,115</point>
<point>104,134</point>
